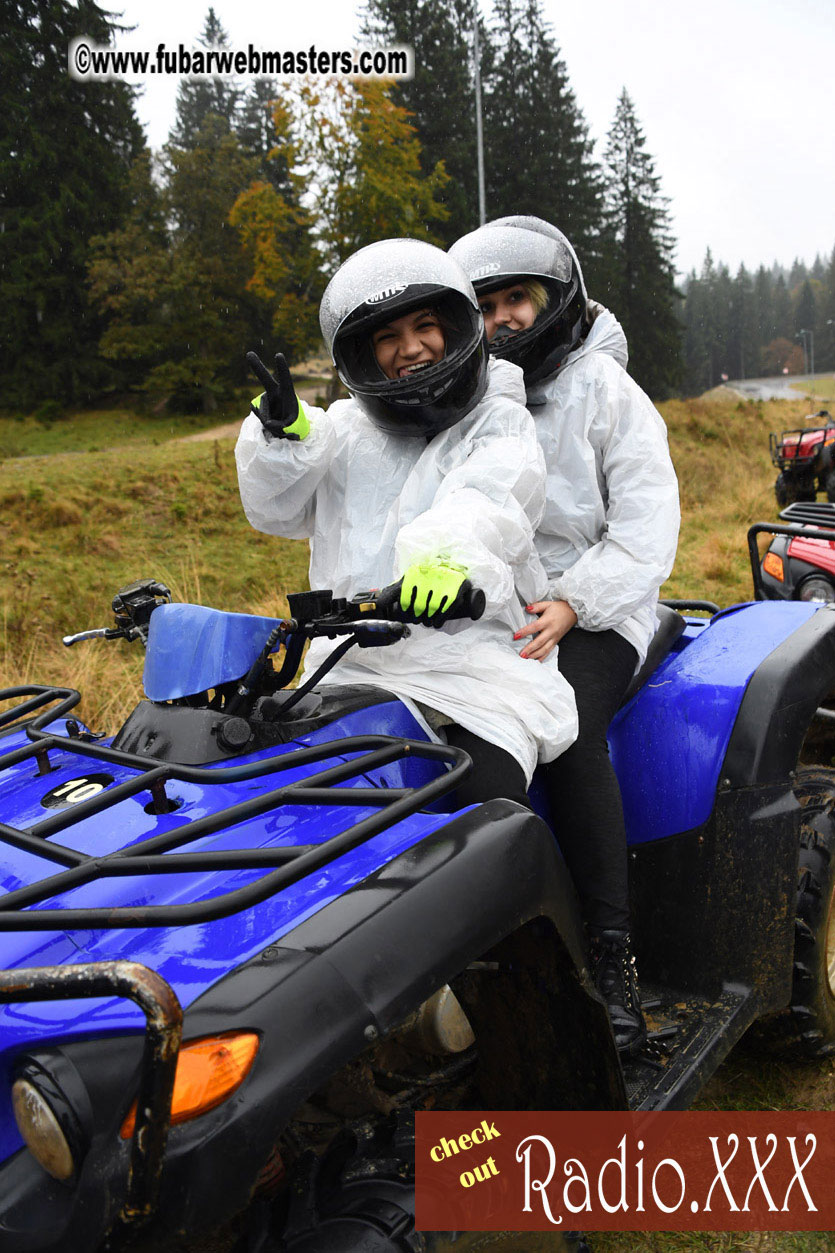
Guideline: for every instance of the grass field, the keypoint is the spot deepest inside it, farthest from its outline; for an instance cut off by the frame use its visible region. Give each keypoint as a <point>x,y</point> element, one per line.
<point>93,431</point>
<point>112,497</point>
<point>824,388</point>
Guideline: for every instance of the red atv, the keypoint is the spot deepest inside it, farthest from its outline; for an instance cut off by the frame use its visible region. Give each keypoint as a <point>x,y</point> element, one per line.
<point>805,458</point>
<point>800,561</point>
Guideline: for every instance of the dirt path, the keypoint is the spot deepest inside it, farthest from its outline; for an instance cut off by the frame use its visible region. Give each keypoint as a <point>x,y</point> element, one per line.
<point>230,429</point>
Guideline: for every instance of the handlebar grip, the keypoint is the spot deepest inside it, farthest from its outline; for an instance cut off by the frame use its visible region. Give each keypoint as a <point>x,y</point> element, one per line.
<point>385,603</point>
<point>472,602</point>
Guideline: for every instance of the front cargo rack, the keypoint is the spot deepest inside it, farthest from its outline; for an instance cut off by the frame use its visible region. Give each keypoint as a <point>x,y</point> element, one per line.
<point>796,461</point>
<point>283,865</point>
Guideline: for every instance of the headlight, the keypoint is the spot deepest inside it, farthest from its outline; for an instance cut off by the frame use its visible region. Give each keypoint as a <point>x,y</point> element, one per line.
<point>818,589</point>
<point>48,1123</point>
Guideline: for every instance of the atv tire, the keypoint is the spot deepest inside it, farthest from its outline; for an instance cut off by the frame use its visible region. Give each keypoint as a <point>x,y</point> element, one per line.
<point>829,486</point>
<point>813,978</point>
<point>783,492</point>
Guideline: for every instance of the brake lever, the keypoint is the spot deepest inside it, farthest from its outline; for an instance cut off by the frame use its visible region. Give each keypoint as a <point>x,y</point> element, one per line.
<point>369,632</point>
<point>98,633</point>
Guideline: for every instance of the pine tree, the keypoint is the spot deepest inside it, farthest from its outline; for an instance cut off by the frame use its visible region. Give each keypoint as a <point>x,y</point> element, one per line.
<point>696,352</point>
<point>174,278</point>
<point>640,250</point>
<point>126,272</point>
<point>782,309</point>
<point>200,98</point>
<point>743,353</point>
<point>766,328</point>
<point>700,339</point>
<point>440,97</point>
<point>211,312</point>
<point>805,313</point>
<point>66,149</point>
<point>797,274</point>
<point>723,324</point>
<point>826,355</point>
<point>539,159</point>
<point>256,131</point>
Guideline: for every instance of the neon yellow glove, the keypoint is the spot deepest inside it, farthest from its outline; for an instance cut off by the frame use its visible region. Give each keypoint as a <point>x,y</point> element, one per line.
<point>430,590</point>
<point>278,408</point>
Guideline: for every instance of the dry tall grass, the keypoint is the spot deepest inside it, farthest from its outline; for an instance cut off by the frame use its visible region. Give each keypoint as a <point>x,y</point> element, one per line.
<point>720,450</point>
<point>76,526</point>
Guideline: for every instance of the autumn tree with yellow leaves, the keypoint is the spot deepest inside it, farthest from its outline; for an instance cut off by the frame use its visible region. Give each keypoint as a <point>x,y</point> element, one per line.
<point>363,158</point>
<point>276,231</point>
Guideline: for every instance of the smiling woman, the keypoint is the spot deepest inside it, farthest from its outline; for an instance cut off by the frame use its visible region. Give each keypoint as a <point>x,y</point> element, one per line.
<point>430,476</point>
<point>408,344</point>
<point>512,309</point>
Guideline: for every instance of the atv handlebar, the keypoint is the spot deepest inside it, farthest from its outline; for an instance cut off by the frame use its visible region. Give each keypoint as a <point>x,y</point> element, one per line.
<point>372,619</point>
<point>385,603</point>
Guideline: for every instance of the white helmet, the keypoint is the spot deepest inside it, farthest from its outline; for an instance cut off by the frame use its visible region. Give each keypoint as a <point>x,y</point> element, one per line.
<point>512,249</point>
<point>381,283</point>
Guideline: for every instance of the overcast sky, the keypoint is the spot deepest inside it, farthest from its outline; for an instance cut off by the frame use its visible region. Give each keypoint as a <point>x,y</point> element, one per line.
<point>736,99</point>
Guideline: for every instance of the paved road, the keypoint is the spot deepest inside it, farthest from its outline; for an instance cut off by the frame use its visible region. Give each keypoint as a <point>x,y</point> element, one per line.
<point>783,387</point>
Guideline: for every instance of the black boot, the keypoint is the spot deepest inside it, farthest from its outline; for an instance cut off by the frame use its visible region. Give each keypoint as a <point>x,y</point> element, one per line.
<point>613,967</point>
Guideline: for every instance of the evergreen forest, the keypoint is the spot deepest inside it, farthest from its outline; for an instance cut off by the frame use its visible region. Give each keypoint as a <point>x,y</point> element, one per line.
<point>127,271</point>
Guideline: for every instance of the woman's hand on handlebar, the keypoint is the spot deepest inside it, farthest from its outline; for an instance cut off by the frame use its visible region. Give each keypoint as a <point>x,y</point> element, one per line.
<point>425,596</point>
<point>555,619</point>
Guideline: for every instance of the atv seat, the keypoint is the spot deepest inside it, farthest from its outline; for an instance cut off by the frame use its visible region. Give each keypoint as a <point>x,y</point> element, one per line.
<point>670,626</point>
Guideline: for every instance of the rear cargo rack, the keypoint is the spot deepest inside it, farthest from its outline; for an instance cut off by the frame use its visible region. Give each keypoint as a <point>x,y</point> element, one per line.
<point>810,513</point>
<point>283,865</point>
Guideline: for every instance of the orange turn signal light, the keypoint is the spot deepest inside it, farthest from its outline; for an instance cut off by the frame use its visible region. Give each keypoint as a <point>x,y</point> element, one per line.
<point>773,565</point>
<point>208,1071</point>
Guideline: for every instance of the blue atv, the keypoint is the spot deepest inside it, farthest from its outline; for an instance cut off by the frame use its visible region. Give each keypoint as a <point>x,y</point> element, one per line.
<point>245,938</point>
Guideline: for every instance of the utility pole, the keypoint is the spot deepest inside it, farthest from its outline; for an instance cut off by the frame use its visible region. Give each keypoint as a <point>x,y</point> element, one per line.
<point>479,135</point>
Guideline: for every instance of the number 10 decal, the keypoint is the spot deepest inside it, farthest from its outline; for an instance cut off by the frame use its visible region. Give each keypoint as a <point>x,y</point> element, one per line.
<point>73,791</point>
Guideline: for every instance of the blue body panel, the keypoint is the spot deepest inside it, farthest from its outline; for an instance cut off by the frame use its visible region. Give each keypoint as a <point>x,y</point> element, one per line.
<point>668,744</point>
<point>190,958</point>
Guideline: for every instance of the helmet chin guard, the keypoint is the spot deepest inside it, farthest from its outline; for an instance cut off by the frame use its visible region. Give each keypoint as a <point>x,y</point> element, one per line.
<point>510,250</point>
<point>384,282</point>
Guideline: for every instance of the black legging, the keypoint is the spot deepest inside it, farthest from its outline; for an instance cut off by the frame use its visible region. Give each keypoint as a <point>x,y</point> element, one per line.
<point>494,773</point>
<point>582,787</point>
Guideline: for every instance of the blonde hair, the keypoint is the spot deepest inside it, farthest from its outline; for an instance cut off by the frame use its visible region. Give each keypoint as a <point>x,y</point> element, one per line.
<point>537,294</point>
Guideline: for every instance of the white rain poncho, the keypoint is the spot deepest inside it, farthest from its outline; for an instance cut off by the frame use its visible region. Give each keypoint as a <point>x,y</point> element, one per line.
<point>372,504</point>
<point>609,532</point>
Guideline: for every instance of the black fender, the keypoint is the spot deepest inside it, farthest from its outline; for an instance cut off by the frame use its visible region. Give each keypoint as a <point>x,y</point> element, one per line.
<point>779,703</point>
<point>714,906</point>
<point>491,883</point>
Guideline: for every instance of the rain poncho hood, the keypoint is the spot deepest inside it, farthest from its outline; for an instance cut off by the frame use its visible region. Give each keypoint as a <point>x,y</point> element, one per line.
<point>372,503</point>
<point>609,532</point>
